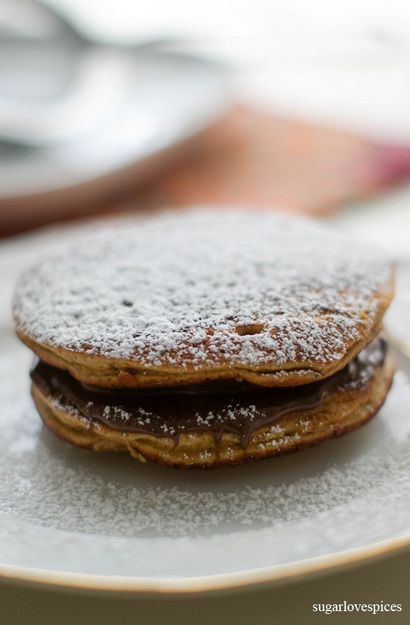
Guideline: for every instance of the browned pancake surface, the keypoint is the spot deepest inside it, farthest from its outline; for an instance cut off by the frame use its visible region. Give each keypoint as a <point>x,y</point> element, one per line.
<point>195,296</point>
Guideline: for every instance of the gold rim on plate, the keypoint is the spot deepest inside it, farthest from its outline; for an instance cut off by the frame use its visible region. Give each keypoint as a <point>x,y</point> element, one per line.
<point>203,584</point>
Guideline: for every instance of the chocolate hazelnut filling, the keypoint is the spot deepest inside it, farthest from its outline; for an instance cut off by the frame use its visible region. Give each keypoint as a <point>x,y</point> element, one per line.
<point>216,407</point>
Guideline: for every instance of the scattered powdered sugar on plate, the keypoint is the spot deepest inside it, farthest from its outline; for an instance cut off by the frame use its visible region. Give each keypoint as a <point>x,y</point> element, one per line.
<point>44,481</point>
<point>72,510</point>
<point>204,287</point>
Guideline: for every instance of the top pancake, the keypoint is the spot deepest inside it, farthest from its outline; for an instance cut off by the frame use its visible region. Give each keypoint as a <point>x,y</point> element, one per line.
<point>186,297</point>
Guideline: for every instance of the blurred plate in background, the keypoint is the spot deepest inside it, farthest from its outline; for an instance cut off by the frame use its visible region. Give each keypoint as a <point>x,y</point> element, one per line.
<point>171,98</point>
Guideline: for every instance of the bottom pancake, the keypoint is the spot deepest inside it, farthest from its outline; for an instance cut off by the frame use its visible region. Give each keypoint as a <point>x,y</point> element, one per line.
<point>214,426</point>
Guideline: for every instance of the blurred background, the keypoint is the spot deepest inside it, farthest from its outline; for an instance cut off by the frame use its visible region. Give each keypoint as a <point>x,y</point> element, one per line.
<point>109,106</point>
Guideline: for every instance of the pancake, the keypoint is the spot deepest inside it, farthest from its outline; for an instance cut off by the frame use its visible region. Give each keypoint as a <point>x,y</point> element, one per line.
<point>205,338</point>
<point>213,425</point>
<point>200,296</point>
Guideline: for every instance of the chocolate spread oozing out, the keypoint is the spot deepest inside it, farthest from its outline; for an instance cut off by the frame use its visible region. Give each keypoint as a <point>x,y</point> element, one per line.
<point>235,407</point>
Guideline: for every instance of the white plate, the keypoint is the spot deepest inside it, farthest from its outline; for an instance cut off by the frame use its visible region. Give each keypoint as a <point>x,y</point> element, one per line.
<point>171,97</point>
<point>75,517</point>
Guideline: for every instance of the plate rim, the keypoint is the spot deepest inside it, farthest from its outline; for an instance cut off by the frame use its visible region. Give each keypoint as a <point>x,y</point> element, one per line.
<point>197,585</point>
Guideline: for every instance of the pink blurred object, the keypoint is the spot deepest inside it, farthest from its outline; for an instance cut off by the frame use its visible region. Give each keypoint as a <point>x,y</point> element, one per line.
<point>391,164</point>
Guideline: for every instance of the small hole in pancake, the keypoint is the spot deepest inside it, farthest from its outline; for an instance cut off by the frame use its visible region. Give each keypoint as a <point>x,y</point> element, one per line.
<point>249,329</point>
<point>127,302</point>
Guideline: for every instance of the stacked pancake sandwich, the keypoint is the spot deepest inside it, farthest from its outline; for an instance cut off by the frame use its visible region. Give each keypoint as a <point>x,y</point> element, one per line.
<point>206,338</point>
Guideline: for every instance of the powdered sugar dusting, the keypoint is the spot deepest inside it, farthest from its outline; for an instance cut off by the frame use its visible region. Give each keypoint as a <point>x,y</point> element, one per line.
<point>190,288</point>
<point>144,419</point>
<point>48,482</point>
<point>68,509</point>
